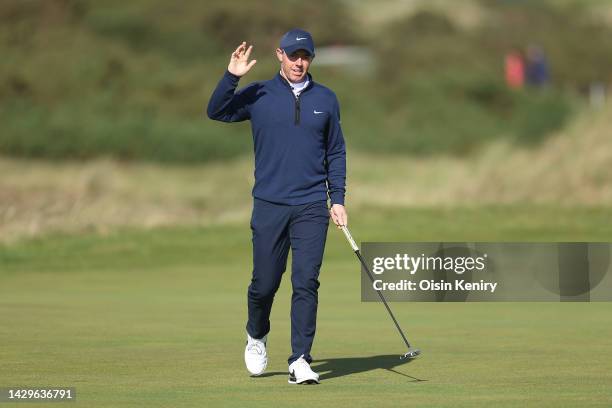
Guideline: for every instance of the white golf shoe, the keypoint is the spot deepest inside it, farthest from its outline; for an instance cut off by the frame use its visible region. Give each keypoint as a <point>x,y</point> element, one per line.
<point>301,373</point>
<point>255,356</point>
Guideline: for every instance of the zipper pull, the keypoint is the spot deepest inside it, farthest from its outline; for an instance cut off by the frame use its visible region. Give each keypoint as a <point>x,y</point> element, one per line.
<point>297,110</point>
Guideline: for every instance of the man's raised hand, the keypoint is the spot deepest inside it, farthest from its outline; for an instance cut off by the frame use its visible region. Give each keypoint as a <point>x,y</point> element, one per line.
<point>239,63</point>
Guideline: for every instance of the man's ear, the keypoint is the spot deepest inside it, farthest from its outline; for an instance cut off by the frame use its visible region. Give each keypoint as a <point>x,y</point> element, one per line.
<point>279,54</point>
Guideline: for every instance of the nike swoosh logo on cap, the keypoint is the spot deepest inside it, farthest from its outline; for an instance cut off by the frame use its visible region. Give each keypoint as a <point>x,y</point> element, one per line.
<point>301,38</point>
<point>316,112</point>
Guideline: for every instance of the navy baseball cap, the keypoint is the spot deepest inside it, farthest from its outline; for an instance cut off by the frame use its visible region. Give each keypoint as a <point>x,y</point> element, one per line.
<point>297,39</point>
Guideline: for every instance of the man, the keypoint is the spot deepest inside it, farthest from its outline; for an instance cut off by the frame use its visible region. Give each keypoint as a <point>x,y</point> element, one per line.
<point>300,161</point>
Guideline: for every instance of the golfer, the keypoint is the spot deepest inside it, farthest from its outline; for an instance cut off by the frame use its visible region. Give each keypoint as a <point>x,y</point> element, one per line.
<point>300,162</point>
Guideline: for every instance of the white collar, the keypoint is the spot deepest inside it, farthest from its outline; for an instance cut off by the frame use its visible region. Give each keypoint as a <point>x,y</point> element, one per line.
<point>297,87</point>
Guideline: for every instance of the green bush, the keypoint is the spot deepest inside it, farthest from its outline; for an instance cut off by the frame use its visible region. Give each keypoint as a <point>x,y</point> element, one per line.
<point>538,114</point>
<point>450,89</point>
<point>83,78</point>
<point>77,132</point>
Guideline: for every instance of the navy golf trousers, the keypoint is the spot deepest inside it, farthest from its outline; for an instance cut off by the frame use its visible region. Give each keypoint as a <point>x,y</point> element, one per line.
<point>276,228</point>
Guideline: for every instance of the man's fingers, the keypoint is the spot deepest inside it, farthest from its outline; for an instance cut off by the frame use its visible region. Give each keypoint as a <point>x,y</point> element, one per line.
<point>237,51</point>
<point>251,64</point>
<point>333,216</point>
<point>338,219</point>
<point>248,52</point>
<point>341,218</point>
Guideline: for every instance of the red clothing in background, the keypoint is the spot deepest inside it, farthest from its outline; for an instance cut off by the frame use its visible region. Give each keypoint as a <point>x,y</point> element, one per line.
<point>515,70</point>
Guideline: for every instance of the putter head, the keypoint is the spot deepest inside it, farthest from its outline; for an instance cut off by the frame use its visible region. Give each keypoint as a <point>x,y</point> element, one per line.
<point>411,354</point>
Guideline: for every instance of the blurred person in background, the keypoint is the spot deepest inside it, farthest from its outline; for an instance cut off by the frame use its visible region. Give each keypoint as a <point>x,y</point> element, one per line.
<point>515,69</point>
<point>537,70</point>
<point>300,162</point>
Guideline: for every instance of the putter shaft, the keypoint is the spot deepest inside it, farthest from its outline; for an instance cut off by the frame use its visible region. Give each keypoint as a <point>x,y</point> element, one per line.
<point>349,237</point>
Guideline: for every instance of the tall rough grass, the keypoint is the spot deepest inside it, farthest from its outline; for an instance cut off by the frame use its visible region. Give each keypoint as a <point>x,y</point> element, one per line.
<point>570,169</point>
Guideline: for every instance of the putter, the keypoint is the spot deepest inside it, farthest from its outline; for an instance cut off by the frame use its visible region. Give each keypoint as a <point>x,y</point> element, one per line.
<point>412,352</point>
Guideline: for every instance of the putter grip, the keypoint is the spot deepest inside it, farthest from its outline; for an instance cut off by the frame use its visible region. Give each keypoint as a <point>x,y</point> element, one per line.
<point>350,239</point>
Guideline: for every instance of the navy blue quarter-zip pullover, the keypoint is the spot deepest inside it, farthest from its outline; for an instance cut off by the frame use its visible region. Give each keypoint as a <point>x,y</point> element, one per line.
<point>300,154</point>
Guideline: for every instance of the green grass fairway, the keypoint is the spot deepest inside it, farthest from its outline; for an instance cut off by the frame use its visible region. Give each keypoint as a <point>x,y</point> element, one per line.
<point>156,319</point>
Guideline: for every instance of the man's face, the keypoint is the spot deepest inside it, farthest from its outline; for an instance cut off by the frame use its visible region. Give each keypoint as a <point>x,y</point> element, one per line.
<point>294,66</point>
